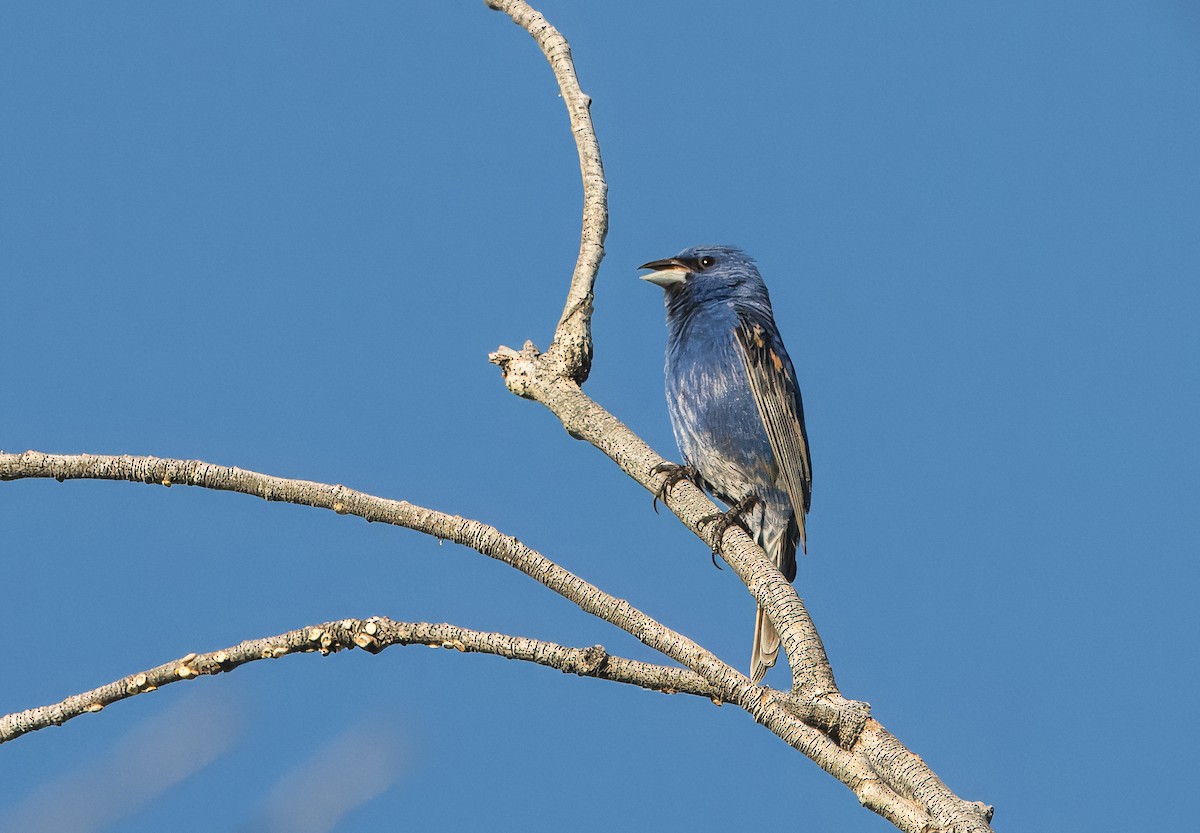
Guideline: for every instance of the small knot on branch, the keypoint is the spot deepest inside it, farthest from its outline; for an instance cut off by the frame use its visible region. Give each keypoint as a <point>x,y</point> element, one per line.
<point>587,661</point>
<point>520,369</point>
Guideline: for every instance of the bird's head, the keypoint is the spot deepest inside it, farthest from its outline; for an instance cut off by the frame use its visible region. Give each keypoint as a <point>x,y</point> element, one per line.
<point>708,273</point>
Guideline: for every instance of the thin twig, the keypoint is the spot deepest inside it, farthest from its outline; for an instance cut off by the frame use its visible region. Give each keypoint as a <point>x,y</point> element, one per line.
<point>372,635</point>
<point>572,344</point>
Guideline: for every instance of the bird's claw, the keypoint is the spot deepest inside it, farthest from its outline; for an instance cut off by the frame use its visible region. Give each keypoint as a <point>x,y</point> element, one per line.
<point>674,473</point>
<point>734,516</point>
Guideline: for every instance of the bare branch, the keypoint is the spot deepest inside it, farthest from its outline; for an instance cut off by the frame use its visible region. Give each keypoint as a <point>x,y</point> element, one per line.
<point>377,633</point>
<point>372,635</point>
<point>572,347</point>
<point>728,684</point>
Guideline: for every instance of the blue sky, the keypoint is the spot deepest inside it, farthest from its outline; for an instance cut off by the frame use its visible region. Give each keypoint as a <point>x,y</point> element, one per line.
<point>285,237</point>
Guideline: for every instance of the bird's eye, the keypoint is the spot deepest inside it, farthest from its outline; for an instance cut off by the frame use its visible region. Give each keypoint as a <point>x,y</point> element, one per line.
<point>706,261</point>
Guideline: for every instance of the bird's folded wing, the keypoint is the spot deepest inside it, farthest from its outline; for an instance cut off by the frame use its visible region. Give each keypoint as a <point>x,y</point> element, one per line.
<point>773,382</point>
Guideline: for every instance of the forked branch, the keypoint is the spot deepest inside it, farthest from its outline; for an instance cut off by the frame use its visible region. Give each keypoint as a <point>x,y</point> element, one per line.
<point>572,346</point>
<point>727,683</point>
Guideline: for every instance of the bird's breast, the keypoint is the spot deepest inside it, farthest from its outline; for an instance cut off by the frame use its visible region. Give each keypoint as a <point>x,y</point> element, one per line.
<point>715,418</point>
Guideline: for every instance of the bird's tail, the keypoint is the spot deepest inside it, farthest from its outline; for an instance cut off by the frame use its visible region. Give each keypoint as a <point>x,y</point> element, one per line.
<point>766,647</point>
<point>778,537</point>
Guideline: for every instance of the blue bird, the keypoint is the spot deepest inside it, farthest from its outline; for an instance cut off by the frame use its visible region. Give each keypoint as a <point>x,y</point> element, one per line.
<point>735,405</point>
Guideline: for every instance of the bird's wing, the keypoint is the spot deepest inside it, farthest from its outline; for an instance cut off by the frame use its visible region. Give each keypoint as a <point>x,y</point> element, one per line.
<point>773,382</point>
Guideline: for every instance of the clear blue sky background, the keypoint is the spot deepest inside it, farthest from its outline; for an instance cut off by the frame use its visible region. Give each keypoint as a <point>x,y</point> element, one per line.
<point>284,236</point>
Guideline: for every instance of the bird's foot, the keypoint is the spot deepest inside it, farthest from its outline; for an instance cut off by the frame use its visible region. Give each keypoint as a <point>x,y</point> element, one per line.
<point>734,516</point>
<point>674,473</point>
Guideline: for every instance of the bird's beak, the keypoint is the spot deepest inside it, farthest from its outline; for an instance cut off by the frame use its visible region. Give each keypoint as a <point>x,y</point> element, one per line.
<point>666,272</point>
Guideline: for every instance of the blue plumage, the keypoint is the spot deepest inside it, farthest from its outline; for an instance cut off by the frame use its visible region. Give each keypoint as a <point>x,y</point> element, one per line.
<point>735,404</point>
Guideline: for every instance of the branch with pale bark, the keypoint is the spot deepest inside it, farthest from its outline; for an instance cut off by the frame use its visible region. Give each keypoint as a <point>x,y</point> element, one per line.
<point>726,682</point>
<point>812,726</point>
<point>371,635</point>
<point>814,717</point>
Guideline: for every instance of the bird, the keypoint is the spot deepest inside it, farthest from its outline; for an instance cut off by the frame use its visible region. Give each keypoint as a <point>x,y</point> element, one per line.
<point>735,407</point>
